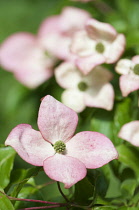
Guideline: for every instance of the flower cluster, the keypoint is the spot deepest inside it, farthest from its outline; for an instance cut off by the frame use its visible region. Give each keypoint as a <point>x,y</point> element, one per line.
<point>83,46</point>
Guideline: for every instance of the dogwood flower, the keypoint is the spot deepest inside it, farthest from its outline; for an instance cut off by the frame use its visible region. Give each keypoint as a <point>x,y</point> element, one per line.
<point>22,54</point>
<point>130,132</point>
<point>99,43</point>
<point>63,156</point>
<point>129,81</point>
<point>56,32</point>
<point>93,90</point>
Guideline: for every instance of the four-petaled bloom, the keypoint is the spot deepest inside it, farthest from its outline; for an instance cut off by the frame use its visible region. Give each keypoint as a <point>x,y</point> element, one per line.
<point>23,54</point>
<point>130,132</point>
<point>99,43</point>
<point>129,81</point>
<point>56,32</point>
<point>64,157</point>
<point>93,90</point>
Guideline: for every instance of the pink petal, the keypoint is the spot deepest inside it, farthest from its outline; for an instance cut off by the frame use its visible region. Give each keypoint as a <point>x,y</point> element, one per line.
<point>56,121</point>
<point>98,30</point>
<point>13,49</point>
<point>49,25</point>
<point>101,96</point>
<point>73,19</point>
<point>74,99</point>
<point>116,49</point>
<point>130,132</point>
<point>67,75</point>
<point>86,64</point>
<point>92,148</point>
<point>129,83</point>
<point>67,170</point>
<point>29,144</point>
<point>135,59</point>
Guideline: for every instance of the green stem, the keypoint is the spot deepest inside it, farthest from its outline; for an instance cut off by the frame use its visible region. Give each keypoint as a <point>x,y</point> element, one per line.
<point>63,195</point>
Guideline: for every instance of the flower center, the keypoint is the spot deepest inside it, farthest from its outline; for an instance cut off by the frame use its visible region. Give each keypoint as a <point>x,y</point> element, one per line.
<point>136,69</point>
<point>100,47</point>
<point>82,86</point>
<point>59,146</point>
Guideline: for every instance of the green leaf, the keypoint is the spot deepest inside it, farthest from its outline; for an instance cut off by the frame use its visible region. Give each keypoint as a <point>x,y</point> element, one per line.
<point>7,155</point>
<point>129,156</point>
<point>20,177</point>
<point>128,187</point>
<point>84,190</point>
<point>122,115</point>
<point>5,203</point>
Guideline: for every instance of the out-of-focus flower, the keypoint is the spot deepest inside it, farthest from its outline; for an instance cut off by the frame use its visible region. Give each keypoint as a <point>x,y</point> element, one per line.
<point>93,90</point>
<point>130,132</point>
<point>99,43</point>
<point>22,54</point>
<point>64,157</point>
<point>56,31</point>
<point>129,81</point>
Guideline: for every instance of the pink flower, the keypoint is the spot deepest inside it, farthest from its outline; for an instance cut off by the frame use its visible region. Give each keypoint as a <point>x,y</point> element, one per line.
<point>63,156</point>
<point>98,44</point>
<point>130,132</point>
<point>56,31</point>
<point>93,90</point>
<point>129,81</point>
<point>22,54</point>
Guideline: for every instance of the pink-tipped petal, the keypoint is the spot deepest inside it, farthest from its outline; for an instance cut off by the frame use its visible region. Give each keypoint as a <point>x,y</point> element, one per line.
<point>56,121</point>
<point>49,25</point>
<point>74,99</point>
<point>124,66</point>
<point>116,49</point>
<point>135,59</point>
<point>98,30</point>
<point>129,83</point>
<point>92,148</point>
<point>86,64</point>
<point>67,75</point>
<point>29,144</point>
<point>130,132</point>
<point>73,19</point>
<point>14,49</point>
<point>101,96</point>
<point>67,170</point>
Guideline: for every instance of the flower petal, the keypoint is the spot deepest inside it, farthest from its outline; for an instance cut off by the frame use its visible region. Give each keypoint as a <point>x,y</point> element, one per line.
<point>56,121</point>
<point>67,75</point>
<point>124,66</point>
<point>14,48</point>
<point>74,99</point>
<point>130,132</point>
<point>67,170</point>
<point>116,49</point>
<point>98,30</point>
<point>73,19</point>
<point>92,148</point>
<point>135,59</point>
<point>86,64</point>
<point>129,83</point>
<point>101,96</point>
<point>29,144</point>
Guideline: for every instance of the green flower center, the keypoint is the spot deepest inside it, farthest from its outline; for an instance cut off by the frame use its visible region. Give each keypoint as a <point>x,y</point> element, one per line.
<point>82,86</point>
<point>136,69</point>
<point>59,146</point>
<point>100,47</point>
